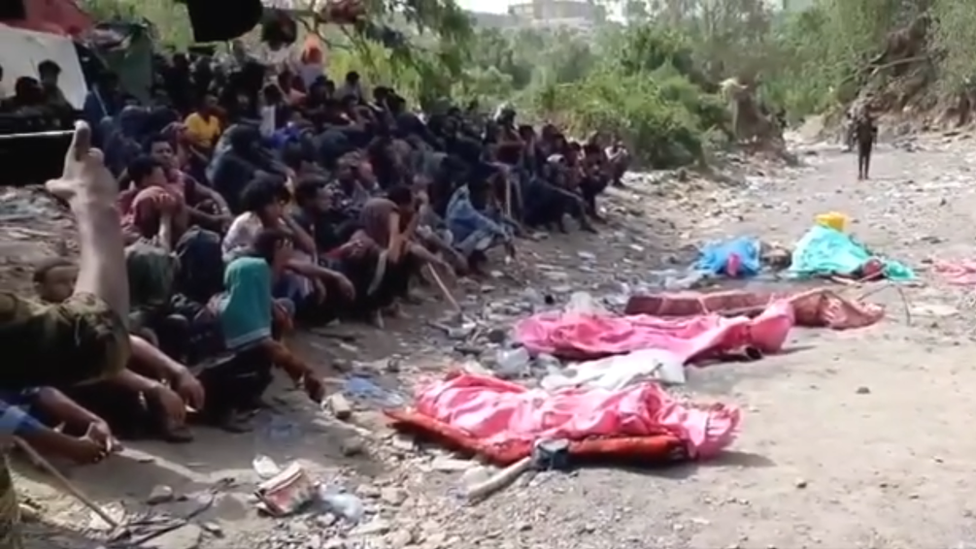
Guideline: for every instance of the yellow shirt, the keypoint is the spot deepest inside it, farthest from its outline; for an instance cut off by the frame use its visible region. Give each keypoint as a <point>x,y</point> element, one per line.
<point>203,132</point>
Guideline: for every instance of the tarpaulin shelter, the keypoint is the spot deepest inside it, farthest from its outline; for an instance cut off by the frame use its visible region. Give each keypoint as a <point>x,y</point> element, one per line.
<point>62,17</point>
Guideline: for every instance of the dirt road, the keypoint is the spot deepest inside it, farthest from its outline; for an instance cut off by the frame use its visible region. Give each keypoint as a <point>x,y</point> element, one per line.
<point>855,439</point>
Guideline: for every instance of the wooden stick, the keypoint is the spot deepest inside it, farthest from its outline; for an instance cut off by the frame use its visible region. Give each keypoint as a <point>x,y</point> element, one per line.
<point>66,484</point>
<point>442,287</point>
<point>499,480</point>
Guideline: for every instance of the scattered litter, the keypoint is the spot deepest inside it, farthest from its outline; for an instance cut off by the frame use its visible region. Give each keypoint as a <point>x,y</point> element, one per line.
<point>362,389</point>
<point>265,467</point>
<point>512,363</point>
<point>618,372</point>
<point>286,492</point>
<point>339,407</point>
<point>340,503</point>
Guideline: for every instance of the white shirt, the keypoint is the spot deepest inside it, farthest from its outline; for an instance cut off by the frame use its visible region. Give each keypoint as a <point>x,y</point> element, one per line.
<point>267,127</point>
<point>240,236</point>
<point>347,89</point>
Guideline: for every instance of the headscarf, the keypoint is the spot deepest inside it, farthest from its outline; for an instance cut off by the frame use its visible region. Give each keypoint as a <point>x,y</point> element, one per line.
<point>244,309</point>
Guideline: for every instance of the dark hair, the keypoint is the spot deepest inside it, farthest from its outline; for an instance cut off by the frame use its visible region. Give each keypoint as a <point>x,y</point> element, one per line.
<point>158,138</point>
<point>352,76</point>
<point>48,67</point>
<point>292,155</point>
<point>272,94</point>
<point>28,88</point>
<point>307,189</point>
<point>44,268</point>
<point>261,192</point>
<point>401,195</point>
<point>267,242</point>
<point>142,167</point>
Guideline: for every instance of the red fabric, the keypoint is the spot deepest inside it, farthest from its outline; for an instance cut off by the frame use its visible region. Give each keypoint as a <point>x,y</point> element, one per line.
<point>577,336</point>
<point>961,273</point>
<point>816,308</point>
<point>505,419</point>
<point>62,17</point>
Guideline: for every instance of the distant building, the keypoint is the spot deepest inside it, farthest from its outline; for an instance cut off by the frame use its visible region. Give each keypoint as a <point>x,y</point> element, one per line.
<point>493,20</point>
<point>558,13</point>
<point>794,5</point>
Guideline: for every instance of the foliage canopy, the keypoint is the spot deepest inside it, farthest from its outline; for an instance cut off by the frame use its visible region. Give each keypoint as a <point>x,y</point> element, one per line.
<point>652,80</point>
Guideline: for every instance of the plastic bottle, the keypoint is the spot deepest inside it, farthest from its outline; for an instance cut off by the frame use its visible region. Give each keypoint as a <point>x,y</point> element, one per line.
<point>341,504</point>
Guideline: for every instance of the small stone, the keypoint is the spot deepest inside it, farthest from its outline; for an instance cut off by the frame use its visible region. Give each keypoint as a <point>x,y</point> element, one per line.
<point>339,406</point>
<point>393,365</point>
<point>863,390</point>
<point>451,465</point>
<point>392,495</point>
<point>497,335</point>
<point>400,538</point>
<point>368,491</point>
<point>800,483</point>
<point>188,536</point>
<point>586,529</point>
<point>335,543</point>
<point>352,446</point>
<point>377,526</point>
<point>403,443</point>
<point>160,494</point>
<point>326,520</point>
<point>213,528</point>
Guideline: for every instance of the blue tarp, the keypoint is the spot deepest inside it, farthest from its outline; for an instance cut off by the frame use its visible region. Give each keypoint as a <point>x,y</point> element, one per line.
<point>713,258</point>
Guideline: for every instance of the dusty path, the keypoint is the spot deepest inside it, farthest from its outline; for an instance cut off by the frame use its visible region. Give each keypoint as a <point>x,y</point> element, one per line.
<point>859,439</point>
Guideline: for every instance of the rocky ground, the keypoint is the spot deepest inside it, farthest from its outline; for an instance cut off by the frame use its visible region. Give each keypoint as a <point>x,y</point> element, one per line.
<point>855,439</point>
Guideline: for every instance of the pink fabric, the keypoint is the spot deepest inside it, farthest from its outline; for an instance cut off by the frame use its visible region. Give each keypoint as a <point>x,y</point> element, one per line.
<point>497,412</point>
<point>579,336</point>
<point>962,273</point>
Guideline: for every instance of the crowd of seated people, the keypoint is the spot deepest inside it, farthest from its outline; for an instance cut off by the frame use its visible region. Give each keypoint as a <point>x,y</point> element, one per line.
<point>253,202</point>
<point>39,99</point>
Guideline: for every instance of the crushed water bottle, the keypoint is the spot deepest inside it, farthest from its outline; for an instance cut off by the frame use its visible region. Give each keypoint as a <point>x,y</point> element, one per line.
<point>341,503</point>
<point>265,467</point>
<point>512,363</point>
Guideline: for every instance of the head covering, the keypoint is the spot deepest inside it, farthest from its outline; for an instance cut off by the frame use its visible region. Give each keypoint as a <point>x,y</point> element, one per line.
<point>245,307</point>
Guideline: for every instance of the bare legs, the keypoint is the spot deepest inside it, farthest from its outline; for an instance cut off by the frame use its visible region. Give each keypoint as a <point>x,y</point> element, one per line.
<point>91,193</point>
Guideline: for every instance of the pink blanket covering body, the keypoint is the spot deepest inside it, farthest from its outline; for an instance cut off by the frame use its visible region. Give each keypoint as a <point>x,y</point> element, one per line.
<point>499,412</point>
<point>582,337</point>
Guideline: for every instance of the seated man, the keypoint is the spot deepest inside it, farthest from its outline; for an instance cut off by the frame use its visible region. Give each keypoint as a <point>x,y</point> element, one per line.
<point>263,200</point>
<point>204,206</point>
<point>149,208</point>
<point>53,424</point>
<point>475,232</point>
<point>84,337</point>
<point>119,398</point>
<point>358,259</point>
<point>391,223</point>
<point>250,320</point>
